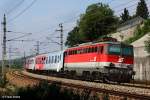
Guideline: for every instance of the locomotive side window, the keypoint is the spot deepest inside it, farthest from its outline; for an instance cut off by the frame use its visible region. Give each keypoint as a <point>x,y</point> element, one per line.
<point>95,49</point>
<point>89,50</point>
<point>78,52</point>
<point>69,52</point>
<point>101,49</point>
<point>75,52</point>
<point>86,50</point>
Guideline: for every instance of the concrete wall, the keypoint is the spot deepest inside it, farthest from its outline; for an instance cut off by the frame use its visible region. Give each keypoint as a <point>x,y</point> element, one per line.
<point>125,34</point>
<point>142,68</point>
<point>140,52</point>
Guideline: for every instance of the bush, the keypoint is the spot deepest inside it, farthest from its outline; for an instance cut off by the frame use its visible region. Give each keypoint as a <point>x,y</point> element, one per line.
<point>3,82</point>
<point>53,92</point>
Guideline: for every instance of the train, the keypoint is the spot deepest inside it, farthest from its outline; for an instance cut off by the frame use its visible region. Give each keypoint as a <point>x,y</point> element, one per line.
<point>108,61</point>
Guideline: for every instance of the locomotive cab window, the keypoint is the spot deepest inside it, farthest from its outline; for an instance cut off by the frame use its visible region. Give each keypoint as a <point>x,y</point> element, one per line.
<point>120,50</point>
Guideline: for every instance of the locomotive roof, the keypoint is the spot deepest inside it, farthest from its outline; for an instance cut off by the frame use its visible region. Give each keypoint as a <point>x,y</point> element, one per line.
<point>91,44</point>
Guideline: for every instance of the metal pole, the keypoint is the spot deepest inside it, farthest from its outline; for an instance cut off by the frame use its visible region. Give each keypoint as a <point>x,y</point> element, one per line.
<point>10,57</point>
<point>38,44</point>
<point>4,48</point>
<point>24,59</point>
<point>61,36</point>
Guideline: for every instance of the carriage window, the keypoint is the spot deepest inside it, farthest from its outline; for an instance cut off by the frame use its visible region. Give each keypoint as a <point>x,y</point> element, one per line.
<point>60,57</point>
<point>42,61</point>
<point>55,59</point>
<point>49,60</point>
<point>52,59</point>
<point>46,60</point>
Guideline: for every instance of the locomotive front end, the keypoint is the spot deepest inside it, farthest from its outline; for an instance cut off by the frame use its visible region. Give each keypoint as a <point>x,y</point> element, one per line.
<point>120,66</point>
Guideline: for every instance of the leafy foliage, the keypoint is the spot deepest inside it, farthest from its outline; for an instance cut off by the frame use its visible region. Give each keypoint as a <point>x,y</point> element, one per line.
<point>97,21</point>
<point>3,81</point>
<point>142,9</point>
<point>125,16</point>
<point>45,91</point>
<point>74,37</point>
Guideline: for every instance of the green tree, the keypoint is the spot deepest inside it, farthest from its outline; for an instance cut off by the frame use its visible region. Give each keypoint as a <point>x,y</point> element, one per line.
<point>74,37</point>
<point>125,16</point>
<point>98,20</point>
<point>142,9</point>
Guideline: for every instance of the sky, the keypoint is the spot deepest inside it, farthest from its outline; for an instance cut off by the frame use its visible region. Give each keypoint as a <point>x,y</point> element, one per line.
<point>41,18</point>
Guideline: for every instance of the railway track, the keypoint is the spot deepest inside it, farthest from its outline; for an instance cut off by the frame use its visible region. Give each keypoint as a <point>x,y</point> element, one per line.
<point>122,90</point>
<point>136,85</point>
<point>132,84</point>
<point>27,79</point>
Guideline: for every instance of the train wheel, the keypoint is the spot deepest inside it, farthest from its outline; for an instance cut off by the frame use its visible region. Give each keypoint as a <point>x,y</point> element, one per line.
<point>86,75</point>
<point>105,79</point>
<point>73,74</point>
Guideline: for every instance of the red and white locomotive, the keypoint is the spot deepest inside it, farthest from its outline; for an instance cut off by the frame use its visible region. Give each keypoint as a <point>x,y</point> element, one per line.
<point>107,61</point>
